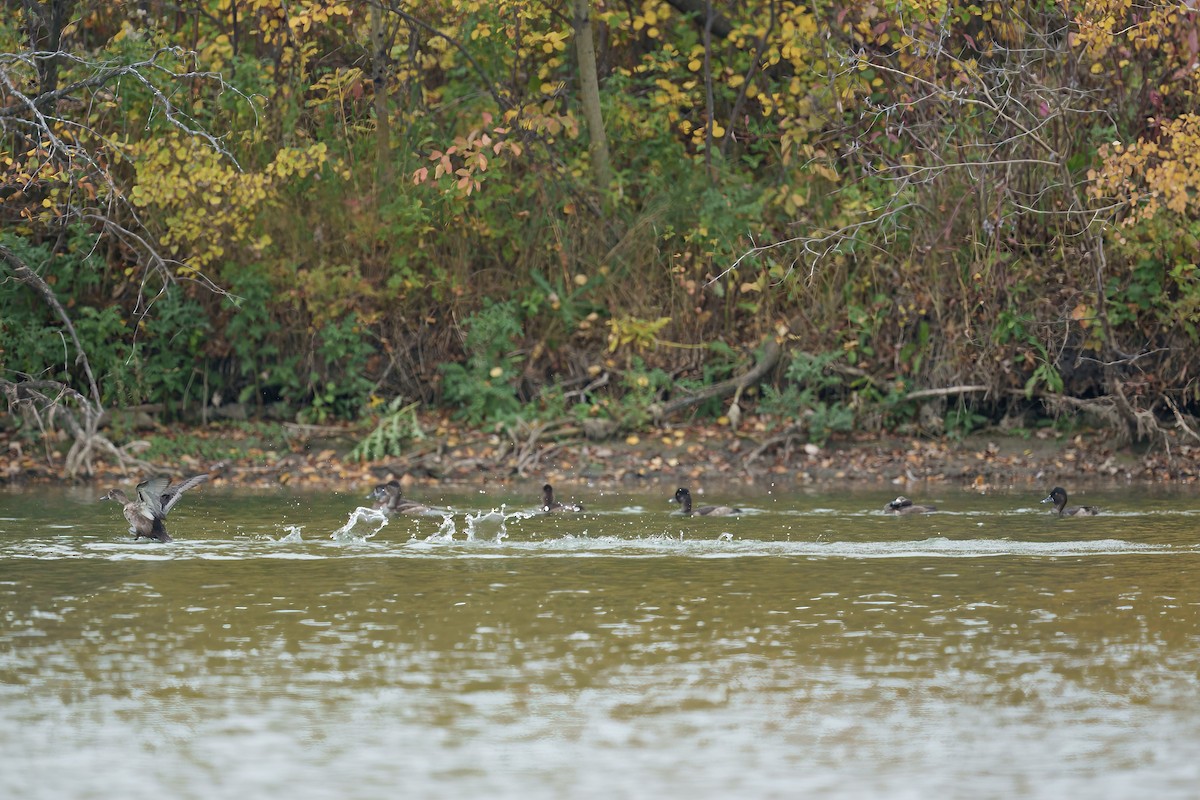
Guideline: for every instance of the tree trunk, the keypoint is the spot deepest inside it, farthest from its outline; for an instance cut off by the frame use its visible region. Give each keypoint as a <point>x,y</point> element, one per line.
<point>585,51</point>
<point>46,22</point>
<point>379,82</point>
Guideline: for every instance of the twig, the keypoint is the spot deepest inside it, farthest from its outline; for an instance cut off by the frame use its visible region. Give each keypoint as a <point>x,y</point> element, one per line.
<point>792,433</point>
<point>1179,420</point>
<point>948,390</point>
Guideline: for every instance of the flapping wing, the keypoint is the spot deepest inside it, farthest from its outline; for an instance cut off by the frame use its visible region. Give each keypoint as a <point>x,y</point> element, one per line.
<point>150,496</point>
<point>171,496</point>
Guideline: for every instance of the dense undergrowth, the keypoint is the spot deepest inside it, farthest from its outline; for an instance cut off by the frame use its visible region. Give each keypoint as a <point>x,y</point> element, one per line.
<point>947,215</point>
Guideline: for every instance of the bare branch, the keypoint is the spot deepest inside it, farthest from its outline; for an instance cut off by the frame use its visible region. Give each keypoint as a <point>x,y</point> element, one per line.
<point>30,278</point>
<point>817,246</point>
<point>106,73</point>
<point>946,391</point>
<point>64,152</point>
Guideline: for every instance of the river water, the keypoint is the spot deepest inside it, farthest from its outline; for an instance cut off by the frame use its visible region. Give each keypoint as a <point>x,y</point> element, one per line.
<point>286,646</point>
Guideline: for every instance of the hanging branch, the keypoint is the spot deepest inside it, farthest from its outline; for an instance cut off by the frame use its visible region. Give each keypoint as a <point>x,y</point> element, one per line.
<point>69,152</point>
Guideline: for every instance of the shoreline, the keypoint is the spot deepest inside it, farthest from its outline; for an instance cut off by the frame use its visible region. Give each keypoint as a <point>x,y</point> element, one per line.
<point>684,454</point>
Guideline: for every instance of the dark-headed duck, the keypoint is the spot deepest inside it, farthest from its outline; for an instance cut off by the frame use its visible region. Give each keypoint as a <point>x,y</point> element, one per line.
<point>684,498</point>
<point>1058,496</point>
<point>389,500</point>
<point>550,505</point>
<point>155,498</point>
<point>902,505</point>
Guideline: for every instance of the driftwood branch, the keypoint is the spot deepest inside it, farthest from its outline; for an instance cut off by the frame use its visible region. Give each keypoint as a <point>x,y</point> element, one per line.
<point>1180,421</point>
<point>51,404</point>
<point>527,446</point>
<point>771,351</point>
<point>791,435</point>
<point>1105,407</point>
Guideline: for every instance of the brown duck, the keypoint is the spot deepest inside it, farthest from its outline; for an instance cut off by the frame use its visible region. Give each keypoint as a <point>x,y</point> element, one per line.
<point>155,498</point>
<point>389,500</point>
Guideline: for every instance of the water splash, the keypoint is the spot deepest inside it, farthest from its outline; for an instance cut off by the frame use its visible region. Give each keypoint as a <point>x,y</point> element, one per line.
<point>293,534</point>
<point>445,531</point>
<point>363,524</point>
<point>492,525</point>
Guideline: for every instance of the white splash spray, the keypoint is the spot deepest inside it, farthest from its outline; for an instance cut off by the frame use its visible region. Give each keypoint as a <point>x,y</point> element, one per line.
<point>363,524</point>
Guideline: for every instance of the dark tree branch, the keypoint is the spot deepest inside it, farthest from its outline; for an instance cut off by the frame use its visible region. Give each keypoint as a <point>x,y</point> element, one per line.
<point>719,26</point>
<point>27,276</point>
<point>755,59</point>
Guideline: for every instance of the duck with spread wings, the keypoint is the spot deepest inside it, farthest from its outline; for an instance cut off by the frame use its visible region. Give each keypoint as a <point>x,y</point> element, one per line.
<point>155,498</point>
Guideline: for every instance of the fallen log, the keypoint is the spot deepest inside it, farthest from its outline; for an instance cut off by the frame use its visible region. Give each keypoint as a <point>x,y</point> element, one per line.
<point>771,351</point>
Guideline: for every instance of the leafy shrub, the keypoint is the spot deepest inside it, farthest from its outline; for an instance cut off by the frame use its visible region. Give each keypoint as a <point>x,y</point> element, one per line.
<point>482,387</point>
<point>805,399</point>
<point>175,333</point>
<point>962,420</point>
<point>34,342</point>
<point>254,338</point>
<point>643,388</point>
<point>396,429</point>
<point>339,383</point>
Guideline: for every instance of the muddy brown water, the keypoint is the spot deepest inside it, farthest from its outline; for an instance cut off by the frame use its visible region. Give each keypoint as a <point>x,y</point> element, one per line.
<point>285,645</point>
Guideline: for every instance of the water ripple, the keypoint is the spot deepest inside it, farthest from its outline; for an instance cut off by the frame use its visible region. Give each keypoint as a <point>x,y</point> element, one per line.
<point>444,545</point>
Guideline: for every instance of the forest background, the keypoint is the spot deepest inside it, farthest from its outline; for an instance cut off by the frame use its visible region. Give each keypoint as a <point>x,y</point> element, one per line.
<point>583,217</point>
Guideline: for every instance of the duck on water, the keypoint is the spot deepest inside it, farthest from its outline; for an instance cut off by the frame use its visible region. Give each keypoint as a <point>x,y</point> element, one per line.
<point>155,498</point>
<point>389,499</point>
<point>550,505</point>
<point>902,505</point>
<point>684,498</point>
<point>1058,496</point>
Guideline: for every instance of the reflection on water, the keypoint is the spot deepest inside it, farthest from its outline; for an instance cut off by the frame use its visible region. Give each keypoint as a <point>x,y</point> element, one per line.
<point>284,646</point>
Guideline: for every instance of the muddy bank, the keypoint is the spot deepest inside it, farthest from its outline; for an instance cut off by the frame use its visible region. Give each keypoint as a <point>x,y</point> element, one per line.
<point>311,457</point>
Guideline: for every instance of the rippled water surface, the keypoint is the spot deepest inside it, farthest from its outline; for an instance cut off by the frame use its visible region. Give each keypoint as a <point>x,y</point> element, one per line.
<point>285,646</point>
